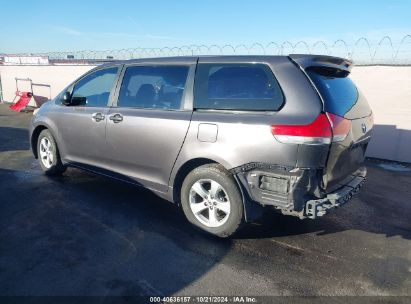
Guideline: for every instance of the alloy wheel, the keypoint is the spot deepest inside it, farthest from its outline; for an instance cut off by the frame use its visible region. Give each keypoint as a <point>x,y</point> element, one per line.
<point>46,152</point>
<point>209,203</point>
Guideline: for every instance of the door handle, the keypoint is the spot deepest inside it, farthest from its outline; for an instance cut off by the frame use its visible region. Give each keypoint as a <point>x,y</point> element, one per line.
<point>97,117</point>
<point>116,118</point>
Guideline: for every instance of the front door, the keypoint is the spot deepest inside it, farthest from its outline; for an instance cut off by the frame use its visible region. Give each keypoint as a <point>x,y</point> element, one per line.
<point>82,125</point>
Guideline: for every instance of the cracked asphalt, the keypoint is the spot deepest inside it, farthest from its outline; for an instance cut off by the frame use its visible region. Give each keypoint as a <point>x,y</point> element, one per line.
<point>83,234</point>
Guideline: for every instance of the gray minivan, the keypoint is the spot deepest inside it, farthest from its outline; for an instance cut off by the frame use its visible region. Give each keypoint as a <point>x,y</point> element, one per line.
<point>225,137</point>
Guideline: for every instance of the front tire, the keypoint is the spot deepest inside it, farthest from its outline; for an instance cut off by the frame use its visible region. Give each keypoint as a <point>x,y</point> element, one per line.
<point>48,154</point>
<point>212,201</point>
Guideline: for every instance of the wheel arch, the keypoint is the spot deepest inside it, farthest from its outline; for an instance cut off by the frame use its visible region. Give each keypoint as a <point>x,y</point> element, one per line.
<point>252,210</point>
<point>35,136</point>
<point>184,170</point>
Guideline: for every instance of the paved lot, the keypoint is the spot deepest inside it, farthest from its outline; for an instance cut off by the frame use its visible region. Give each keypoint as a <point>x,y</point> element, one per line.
<point>86,235</point>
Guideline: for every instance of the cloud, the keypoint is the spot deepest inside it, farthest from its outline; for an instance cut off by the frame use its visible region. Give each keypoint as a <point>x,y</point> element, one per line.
<point>98,35</point>
<point>159,37</point>
<point>135,36</point>
<point>68,31</point>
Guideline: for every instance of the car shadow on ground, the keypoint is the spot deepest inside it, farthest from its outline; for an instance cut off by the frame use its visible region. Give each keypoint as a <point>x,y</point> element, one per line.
<point>276,225</point>
<point>84,234</point>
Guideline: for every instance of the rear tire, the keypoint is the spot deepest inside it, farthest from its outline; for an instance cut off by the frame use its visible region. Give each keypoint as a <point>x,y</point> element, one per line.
<point>211,200</point>
<point>48,154</point>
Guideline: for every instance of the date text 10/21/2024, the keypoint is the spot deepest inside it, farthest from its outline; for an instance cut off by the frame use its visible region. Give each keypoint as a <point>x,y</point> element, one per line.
<point>203,299</point>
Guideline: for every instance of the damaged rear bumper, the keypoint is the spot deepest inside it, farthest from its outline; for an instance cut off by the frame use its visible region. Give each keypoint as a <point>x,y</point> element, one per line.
<point>319,207</point>
<point>296,191</point>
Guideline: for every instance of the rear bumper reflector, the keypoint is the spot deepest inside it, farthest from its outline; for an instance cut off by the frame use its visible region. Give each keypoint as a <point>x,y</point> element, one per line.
<point>303,140</point>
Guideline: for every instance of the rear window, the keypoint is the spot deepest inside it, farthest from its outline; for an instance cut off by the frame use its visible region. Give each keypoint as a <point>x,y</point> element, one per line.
<point>337,90</point>
<point>250,87</point>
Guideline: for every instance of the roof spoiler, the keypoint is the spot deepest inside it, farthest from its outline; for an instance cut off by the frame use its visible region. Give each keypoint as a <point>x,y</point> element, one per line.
<point>307,61</point>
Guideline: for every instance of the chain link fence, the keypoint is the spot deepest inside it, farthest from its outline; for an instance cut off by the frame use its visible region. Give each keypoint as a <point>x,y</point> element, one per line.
<point>363,51</point>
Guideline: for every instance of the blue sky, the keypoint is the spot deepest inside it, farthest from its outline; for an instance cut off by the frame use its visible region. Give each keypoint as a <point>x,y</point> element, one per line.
<point>33,26</point>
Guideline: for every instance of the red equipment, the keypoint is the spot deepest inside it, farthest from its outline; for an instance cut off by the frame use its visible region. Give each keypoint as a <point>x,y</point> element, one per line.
<point>24,97</point>
<point>22,102</point>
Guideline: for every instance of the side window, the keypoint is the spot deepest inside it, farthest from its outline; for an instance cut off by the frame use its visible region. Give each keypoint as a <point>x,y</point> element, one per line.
<point>94,89</point>
<point>154,87</point>
<point>249,87</point>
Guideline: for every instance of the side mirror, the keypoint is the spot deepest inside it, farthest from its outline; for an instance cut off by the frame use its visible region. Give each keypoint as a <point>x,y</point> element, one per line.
<point>66,98</point>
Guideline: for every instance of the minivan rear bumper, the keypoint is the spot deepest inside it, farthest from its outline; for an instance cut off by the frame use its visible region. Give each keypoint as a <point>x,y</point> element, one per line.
<point>319,207</point>
<point>297,191</point>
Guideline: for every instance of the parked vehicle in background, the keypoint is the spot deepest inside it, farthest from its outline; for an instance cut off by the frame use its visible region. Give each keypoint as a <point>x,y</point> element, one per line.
<point>225,137</point>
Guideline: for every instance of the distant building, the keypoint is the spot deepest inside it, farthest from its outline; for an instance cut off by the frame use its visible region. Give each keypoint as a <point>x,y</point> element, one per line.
<point>7,59</point>
<point>23,60</point>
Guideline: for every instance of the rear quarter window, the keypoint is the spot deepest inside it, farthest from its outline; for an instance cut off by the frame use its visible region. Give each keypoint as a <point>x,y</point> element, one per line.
<point>249,87</point>
<point>339,92</point>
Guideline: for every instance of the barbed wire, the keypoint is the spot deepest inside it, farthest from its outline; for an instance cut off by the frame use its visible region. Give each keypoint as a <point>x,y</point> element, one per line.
<point>362,51</point>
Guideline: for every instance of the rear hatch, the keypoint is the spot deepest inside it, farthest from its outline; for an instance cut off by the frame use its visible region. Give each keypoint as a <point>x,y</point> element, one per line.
<point>348,110</point>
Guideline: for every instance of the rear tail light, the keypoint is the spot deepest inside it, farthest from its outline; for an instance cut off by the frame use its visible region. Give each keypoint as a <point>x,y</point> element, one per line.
<point>319,132</point>
<point>340,127</point>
